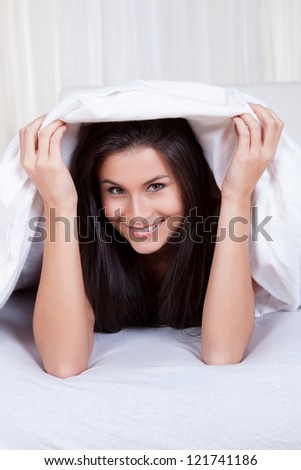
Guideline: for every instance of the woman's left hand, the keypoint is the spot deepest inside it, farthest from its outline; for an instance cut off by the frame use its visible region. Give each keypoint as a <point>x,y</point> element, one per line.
<point>257,146</point>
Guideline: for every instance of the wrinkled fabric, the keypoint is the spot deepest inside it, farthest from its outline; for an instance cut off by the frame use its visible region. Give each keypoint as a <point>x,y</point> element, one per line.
<point>274,249</point>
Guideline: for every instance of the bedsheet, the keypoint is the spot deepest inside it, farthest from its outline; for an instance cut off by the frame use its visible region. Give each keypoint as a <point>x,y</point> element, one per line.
<point>146,388</point>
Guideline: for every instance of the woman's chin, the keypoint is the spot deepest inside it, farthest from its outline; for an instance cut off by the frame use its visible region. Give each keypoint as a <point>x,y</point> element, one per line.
<point>146,248</point>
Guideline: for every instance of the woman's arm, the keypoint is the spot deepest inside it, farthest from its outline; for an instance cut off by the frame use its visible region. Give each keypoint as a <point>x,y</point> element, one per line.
<point>63,320</point>
<point>229,307</point>
<point>228,314</point>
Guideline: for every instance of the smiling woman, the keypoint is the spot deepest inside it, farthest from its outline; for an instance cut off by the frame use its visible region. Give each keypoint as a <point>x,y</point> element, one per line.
<point>140,181</point>
<point>146,213</point>
<point>146,210</point>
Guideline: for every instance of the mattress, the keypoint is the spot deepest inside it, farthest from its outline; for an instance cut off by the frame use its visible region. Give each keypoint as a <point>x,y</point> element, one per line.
<point>146,388</point>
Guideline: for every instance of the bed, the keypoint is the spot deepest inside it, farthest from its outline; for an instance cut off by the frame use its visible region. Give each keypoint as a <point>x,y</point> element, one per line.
<point>146,388</point>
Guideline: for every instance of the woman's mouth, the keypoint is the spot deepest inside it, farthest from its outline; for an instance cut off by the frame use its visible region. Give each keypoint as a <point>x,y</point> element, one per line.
<point>146,232</point>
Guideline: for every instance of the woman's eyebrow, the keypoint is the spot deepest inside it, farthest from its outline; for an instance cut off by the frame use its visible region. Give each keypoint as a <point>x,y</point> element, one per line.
<point>147,182</point>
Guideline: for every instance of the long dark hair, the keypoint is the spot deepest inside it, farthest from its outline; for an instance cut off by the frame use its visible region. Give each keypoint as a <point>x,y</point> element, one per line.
<point>114,281</point>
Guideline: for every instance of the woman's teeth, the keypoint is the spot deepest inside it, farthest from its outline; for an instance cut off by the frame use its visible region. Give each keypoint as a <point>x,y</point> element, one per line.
<point>147,229</point>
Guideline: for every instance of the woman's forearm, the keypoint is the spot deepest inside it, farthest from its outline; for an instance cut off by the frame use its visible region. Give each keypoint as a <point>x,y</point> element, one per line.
<point>63,319</point>
<point>229,307</point>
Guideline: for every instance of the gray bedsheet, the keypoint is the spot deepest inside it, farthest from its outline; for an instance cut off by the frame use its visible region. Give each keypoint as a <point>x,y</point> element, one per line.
<point>146,388</point>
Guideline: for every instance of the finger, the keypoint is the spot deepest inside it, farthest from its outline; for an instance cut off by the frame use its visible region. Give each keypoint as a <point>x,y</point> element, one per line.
<point>243,135</point>
<point>44,140</point>
<point>28,137</point>
<point>272,127</point>
<point>55,143</point>
<point>257,107</point>
<point>255,133</point>
<point>277,118</point>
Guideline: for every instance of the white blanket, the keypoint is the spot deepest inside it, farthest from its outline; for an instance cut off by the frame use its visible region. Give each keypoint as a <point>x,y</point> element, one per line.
<point>275,263</point>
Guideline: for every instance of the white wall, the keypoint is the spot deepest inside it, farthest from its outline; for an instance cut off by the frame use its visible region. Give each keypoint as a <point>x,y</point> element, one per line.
<point>49,44</point>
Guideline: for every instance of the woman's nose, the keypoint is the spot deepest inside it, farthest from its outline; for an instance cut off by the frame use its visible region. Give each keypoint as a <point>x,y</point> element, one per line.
<point>138,210</point>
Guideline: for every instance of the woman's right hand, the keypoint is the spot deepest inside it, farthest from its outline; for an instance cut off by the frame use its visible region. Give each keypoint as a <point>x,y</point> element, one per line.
<point>42,160</point>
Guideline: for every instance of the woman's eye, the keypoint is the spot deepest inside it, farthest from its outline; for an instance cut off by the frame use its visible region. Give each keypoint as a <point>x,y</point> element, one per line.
<point>110,190</point>
<point>117,192</point>
<point>158,184</point>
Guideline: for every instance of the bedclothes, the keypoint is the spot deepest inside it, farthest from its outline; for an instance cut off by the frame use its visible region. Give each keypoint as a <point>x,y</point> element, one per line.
<point>275,251</point>
<point>146,388</point>
<point>281,97</point>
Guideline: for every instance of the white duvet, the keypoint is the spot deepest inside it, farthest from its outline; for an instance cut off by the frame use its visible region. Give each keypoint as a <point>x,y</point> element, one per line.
<point>275,257</point>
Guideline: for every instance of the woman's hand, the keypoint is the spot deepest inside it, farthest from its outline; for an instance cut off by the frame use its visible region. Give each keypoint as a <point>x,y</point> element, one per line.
<point>41,159</point>
<point>257,145</point>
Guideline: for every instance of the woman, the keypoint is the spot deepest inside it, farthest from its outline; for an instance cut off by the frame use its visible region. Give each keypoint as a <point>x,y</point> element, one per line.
<point>104,277</point>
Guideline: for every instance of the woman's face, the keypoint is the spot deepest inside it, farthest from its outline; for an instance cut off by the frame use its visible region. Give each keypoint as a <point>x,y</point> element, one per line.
<point>138,190</point>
